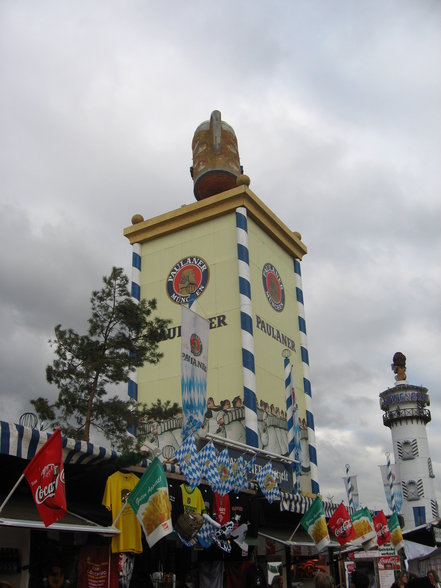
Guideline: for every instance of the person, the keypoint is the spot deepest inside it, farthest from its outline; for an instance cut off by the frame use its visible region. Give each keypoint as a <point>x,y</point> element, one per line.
<point>359,580</point>
<point>55,577</point>
<point>401,580</point>
<point>323,580</point>
<point>225,406</point>
<point>433,577</point>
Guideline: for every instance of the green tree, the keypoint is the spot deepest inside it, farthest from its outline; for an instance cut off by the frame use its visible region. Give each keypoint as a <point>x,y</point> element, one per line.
<point>161,412</point>
<point>122,336</point>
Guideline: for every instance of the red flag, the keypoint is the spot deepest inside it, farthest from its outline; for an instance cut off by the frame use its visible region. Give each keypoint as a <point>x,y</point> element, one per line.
<point>382,528</point>
<point>45,474</point>
<point>341,525</point>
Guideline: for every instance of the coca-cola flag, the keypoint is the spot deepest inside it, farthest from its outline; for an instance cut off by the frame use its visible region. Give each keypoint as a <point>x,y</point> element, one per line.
<point>341,525</point>
<point>382,528</point>
<point>45,474</point>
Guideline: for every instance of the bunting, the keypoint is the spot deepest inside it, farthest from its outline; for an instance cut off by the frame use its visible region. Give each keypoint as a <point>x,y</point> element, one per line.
<point>240,480</point>
<point>268,483</point>
<point>205,535</point>
<point>225,473</point>
<point>249,465</point>
<point>188,461</point>
<point>208,464</point>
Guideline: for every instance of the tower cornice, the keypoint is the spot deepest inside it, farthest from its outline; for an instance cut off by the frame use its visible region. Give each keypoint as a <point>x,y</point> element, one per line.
<point>211,208</point>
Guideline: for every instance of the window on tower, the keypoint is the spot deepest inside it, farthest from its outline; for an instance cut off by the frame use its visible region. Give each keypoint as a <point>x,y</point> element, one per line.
<point>411,490</point>
<point>429,465</point>
<point>419,515</point>
<point>406,450</point>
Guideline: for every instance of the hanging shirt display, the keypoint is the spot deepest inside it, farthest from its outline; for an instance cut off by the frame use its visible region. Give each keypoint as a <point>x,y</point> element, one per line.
<point>97,568</point>
<point>118,487</point>
<point>221,508</point>
<point>192,499</point>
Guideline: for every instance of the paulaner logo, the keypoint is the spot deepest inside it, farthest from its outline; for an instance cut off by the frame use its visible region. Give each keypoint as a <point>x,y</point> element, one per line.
<point>273,287</point>
<point>189,276</point>
<point>195,344</point>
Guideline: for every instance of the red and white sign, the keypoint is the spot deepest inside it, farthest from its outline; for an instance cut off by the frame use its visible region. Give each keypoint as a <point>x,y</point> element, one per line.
<point>45,474</point>
<point>341,525</point>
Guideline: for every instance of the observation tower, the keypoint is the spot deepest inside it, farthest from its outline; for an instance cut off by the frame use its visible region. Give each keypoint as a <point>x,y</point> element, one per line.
<point>406,414</point>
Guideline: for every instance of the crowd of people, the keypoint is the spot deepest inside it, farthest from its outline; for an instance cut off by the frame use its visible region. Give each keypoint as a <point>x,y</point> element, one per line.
<point>410,580</point>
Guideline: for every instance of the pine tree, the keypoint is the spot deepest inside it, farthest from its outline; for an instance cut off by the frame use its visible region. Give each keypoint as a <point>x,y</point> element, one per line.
<point>122,335</point>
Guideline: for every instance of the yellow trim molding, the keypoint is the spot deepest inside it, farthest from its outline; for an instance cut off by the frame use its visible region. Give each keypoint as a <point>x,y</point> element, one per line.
<point>213,207</point>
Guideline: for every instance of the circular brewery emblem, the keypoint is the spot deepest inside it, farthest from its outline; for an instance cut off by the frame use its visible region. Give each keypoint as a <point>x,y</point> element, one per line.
<point>195,344</point>
<point>273,287</point>
<point>188,277</point>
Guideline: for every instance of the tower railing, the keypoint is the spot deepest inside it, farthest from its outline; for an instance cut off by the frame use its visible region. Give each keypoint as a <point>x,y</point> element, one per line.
<point>406,413</point>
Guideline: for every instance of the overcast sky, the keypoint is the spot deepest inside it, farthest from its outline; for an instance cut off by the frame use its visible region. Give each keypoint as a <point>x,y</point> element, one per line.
<point>336,106</point>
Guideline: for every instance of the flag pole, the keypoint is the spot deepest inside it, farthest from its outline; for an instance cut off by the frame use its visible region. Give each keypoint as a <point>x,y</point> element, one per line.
<point>11,492</point>
<point>294,532</point>
<point>119,514</point>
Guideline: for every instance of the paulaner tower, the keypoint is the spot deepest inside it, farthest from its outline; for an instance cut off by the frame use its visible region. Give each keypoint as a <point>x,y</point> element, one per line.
<point>406,415</point>
<point>241,264</point>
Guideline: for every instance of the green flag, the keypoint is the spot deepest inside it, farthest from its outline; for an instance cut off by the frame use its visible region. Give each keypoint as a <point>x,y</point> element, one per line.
<point>314,523</point>
<point>395,532</point>
<point>151,504</point>
<point>363,526</point>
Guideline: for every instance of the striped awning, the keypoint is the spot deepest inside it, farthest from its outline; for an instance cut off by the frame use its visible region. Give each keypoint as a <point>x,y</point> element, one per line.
<point>24,442</point>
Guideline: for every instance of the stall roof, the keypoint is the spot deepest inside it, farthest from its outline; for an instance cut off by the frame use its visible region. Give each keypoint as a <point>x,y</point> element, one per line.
<point>23,442</point>
<point>283,536</point>
<point>20,511</point>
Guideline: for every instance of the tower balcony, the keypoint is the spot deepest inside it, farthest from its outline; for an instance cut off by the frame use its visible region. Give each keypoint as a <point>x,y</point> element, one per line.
<point>406,414</point>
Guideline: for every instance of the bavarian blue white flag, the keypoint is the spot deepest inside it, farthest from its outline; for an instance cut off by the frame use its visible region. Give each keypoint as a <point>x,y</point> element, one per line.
<point>240,480</point>
<point>188,461</point>
<point>194,359</point>
<point>208,462</point>
<point>268,483</point>
<point>249,466</point>
<point>205,535</point>
<point>225,473</point>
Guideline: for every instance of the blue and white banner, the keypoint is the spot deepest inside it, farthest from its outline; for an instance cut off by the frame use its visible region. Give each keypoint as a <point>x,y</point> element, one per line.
<point>208,462</point>
<point>390,475</point>
<point>188,461</point>
<point>268,483</point>
<point>351,486</point>
<point>194,364</point>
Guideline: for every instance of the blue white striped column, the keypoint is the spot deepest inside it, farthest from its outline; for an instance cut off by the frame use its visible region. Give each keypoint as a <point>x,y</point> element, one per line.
<point>246,325</point>
<point>349,488</point>
<point>306,381</point>
<point>289,410</point>
<point>136,296</point>
<point>390,479</point>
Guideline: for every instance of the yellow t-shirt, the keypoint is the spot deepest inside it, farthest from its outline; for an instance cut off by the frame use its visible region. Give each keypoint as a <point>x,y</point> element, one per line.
<point>118,487</point>
<point>192,499</point>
